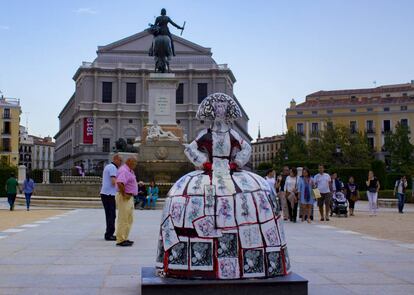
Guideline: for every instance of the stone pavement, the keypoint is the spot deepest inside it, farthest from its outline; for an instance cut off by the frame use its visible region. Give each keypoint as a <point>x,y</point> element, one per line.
<point>66,254</point>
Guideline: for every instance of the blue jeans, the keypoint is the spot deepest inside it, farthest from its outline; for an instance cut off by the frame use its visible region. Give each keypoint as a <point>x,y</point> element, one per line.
<point>401,200</point>
<point>28,196</point>
<point>153,200</point>
<point>11,198</point>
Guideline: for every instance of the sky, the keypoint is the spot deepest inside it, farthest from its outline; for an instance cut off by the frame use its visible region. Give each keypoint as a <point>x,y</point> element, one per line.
<point>277,50</point>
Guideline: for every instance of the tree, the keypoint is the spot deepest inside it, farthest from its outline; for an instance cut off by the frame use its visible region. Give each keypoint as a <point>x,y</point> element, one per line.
<point>400,149</point>
<point>337,146</point>
<point>293,149</point>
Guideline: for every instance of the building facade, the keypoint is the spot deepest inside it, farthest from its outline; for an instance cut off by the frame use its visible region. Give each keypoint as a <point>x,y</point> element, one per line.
<point>25,148</point>
<point>9,126</point>
<point>374,111</point>
<point>43,153</point>
<point>111,98</point>
<point>265,149</point>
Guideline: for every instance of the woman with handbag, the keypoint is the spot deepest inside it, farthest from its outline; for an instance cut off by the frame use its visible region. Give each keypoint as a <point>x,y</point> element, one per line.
<point>352,194</point>
<point>373,187</point>
<point>291,190</point>
<point>307,199</point>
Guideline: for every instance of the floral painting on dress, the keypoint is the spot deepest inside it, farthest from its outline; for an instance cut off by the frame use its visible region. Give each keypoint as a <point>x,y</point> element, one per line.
<point>270,233</point>
<point>169,236</point>
<point>178,255</point>
<point>253,263</point>
<point>228,245</point>
<point>274,263</point>
<point>245,209</point>
<point>177,208</point>
<point>250,236</point>
<point>282,235</point>
<point>225,212</point>
<point>210,200</point>
<point>264,207</point>
<point>201,254</point>
<point>196,184</point>
<point>221,144</point>
<point>194,210</point>
<point>228,268</point>
<point>245,182</point>
<point>160,253</point>
<point>206,228</point>
<point>166,209</point>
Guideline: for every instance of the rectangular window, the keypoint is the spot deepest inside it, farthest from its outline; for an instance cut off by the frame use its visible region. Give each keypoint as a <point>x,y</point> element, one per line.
<point>404,108</point>
<point>6,145</point>
<point>106,145</point>
<point>131,92</point>
<point>299,129</point>
<point>107,92</point>
<point>387,126</point>
<point>201,91</point>
<point>404,94</point>
<point>6,114</point>
<point>6,129</point>
<point>353,126</point>
<point>369,109</point>
<point>329,125</point>
<point>370,126</point>
<point>371,142</point>
<point>315,129</point>
<point>387,109</point>
<point>353,110</point>
<point>179,94</point>
<point>404,122</point>
<point>329,111</point>
<point>314,112</point>
<point>299,112</point>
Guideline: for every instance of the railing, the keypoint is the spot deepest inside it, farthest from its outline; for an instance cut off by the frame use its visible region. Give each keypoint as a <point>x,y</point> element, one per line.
<point>370,130</point>
<point>150,66</point>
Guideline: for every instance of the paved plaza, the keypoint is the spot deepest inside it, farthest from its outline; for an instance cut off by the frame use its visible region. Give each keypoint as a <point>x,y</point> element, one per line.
<point>66,254</point>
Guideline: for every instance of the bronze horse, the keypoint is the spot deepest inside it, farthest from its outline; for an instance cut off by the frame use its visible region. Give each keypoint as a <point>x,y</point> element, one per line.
<point>160,49</point>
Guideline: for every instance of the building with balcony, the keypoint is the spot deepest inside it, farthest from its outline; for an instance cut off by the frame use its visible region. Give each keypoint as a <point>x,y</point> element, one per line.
<point>26,144</point>
<point>374,111</point>
<point>111,98</point>
<point>265,149</point>
<point>43,152</point>
<point>9,130</point>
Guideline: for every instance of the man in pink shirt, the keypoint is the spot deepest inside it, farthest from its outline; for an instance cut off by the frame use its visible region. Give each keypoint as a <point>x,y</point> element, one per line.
<point>127,189</point>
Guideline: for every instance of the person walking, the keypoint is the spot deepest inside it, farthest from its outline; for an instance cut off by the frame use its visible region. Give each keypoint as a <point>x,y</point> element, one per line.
<point>323,183</point>
<point>141,198</point>
<point>373,187</point>
<point>291,193</point>
<point>28,190</point>
<point>127,189</point>
<point>280,188</point>
<point>108,192</point>
<point>352,194</point>
<point>399,190</point>
<point>271,181</point>
<point>11,190</point>
<point>152,195</point>
<point>305,187</point>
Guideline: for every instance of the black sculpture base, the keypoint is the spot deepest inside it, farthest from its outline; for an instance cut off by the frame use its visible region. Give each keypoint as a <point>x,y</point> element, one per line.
<point>291,284</point>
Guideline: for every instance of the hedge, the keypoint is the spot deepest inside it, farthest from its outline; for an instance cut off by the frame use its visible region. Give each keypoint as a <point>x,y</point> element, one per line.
<point>5,172</point>
<point>388,194</point>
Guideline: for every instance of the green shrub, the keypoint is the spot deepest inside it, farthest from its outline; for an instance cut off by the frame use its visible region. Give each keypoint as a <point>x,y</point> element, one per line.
<point>5,172</point>
<point>388,194</point>
<point>55,176</point>
<point>37,175</point>
<point>379,169</point>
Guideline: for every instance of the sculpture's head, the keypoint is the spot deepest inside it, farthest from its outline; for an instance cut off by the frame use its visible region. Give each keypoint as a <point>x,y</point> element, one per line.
<point>219,107</point>
<point>163,11</point>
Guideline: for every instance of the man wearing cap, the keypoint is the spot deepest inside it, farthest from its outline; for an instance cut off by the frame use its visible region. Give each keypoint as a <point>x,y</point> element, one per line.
<point>127,189</point>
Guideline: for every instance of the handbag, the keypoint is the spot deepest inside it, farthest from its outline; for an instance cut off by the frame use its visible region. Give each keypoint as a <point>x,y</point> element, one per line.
<point>316,193</point>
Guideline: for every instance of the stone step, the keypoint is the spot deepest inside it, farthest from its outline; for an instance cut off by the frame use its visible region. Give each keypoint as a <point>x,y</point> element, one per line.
<point>387,203</point>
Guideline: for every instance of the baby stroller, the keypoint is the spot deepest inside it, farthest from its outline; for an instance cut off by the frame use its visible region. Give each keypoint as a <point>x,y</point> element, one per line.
<point>339,204</point>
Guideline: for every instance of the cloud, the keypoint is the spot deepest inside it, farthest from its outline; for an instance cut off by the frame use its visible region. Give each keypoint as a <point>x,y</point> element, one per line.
<point>86,10</point>
<point>3,27</point>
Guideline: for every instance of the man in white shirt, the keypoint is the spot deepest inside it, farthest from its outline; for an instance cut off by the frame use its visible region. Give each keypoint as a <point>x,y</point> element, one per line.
<point>323,182</point>
<point>399,189</point>
<point>108,192</point>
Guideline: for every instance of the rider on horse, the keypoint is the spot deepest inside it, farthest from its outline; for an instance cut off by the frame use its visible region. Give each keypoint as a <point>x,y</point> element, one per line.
<point>162,22</point>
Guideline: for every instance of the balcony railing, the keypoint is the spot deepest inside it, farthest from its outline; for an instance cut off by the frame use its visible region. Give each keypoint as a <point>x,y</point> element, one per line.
<point>370,130</point>
<point>315,133</point>
<point>386,131</point>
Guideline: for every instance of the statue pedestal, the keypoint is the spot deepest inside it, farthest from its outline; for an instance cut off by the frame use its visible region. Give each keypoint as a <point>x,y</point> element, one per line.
<point>161,98</point>
<point>291,284</point>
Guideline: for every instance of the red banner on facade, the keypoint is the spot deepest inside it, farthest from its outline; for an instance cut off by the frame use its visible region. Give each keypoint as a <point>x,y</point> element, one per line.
<point>88,130</point>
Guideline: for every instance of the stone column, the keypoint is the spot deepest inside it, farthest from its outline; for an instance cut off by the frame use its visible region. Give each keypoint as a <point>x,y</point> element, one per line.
<point>21,174</point>
<point>46,176</point>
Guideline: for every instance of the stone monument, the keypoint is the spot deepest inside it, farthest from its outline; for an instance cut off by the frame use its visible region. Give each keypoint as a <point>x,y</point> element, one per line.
<point>161,151</point>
